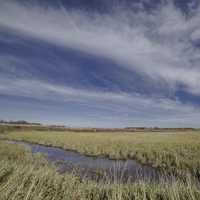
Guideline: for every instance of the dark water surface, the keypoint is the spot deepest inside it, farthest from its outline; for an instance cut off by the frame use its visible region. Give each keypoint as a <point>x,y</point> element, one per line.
<point>97,168</point>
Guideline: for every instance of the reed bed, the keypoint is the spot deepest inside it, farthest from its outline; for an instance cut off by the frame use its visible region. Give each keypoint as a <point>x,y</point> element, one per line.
<point>173,152</point>
<point>24,176</point>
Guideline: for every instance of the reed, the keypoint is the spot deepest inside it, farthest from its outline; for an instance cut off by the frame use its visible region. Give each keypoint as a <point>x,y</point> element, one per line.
<point>174,152</point>
<point>24,176</point>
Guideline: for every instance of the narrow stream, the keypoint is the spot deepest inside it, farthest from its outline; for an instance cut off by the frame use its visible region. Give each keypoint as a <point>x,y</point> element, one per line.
<point>97,168</point>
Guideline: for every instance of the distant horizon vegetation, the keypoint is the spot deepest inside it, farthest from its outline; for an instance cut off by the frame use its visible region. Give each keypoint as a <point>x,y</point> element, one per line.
<point>130,128</point>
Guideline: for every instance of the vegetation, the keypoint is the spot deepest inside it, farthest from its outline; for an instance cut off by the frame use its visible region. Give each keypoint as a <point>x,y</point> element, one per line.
<point>27,177</point>
<point>21,122</point>
<point>175,152</point>
<point>5,128</point>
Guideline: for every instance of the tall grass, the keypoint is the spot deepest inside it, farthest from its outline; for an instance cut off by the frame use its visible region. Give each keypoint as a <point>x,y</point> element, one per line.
<point>174,152</point>
<point>27,177</point>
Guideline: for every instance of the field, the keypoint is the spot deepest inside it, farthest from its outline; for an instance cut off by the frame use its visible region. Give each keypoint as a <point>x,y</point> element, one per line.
<point>175,152</point>
<point>27,176</point>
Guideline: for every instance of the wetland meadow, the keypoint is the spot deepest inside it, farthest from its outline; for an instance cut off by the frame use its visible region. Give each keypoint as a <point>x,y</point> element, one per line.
<point>26,171</point>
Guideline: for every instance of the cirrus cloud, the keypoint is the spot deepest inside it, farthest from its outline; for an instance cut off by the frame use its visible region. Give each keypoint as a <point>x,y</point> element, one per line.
<point>161,44</point>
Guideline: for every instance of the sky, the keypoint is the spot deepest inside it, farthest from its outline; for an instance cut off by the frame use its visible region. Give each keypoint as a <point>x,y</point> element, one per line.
<point>92,63</point>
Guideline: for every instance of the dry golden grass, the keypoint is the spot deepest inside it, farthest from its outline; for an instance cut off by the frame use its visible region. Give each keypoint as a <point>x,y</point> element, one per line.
<point>175,152</point>
<point>27,177</point>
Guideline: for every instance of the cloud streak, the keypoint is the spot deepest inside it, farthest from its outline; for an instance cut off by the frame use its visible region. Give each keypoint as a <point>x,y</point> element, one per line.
<point>111,109</point>
<point>46,91</point>
<point>156,44</point>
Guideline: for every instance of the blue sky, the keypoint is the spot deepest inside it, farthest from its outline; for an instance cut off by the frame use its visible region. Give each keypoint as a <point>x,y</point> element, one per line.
<point>100,63</point>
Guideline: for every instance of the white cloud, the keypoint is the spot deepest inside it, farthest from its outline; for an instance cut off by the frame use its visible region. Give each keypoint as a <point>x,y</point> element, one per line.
<point>157,44</point>
<point>59,93</point>
<point>195,36</point>
<point>44,90</point>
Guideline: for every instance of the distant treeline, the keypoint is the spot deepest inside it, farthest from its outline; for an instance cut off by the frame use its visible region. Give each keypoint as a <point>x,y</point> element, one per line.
<point>24,125</point>
<point>158,129</point>
<point>19,122</point>
<point>128,129</point>
<point>4,128</point>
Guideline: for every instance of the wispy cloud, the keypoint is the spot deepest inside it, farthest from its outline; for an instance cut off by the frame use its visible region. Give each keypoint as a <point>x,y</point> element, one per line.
<point>101,108</point>
<point>161,45</point>
<point>158,44</point>
<point>46,91</point>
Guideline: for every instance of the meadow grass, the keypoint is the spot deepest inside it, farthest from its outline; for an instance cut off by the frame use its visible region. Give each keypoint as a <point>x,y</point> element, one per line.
<point>174,152</point>
<point>24,176</point>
